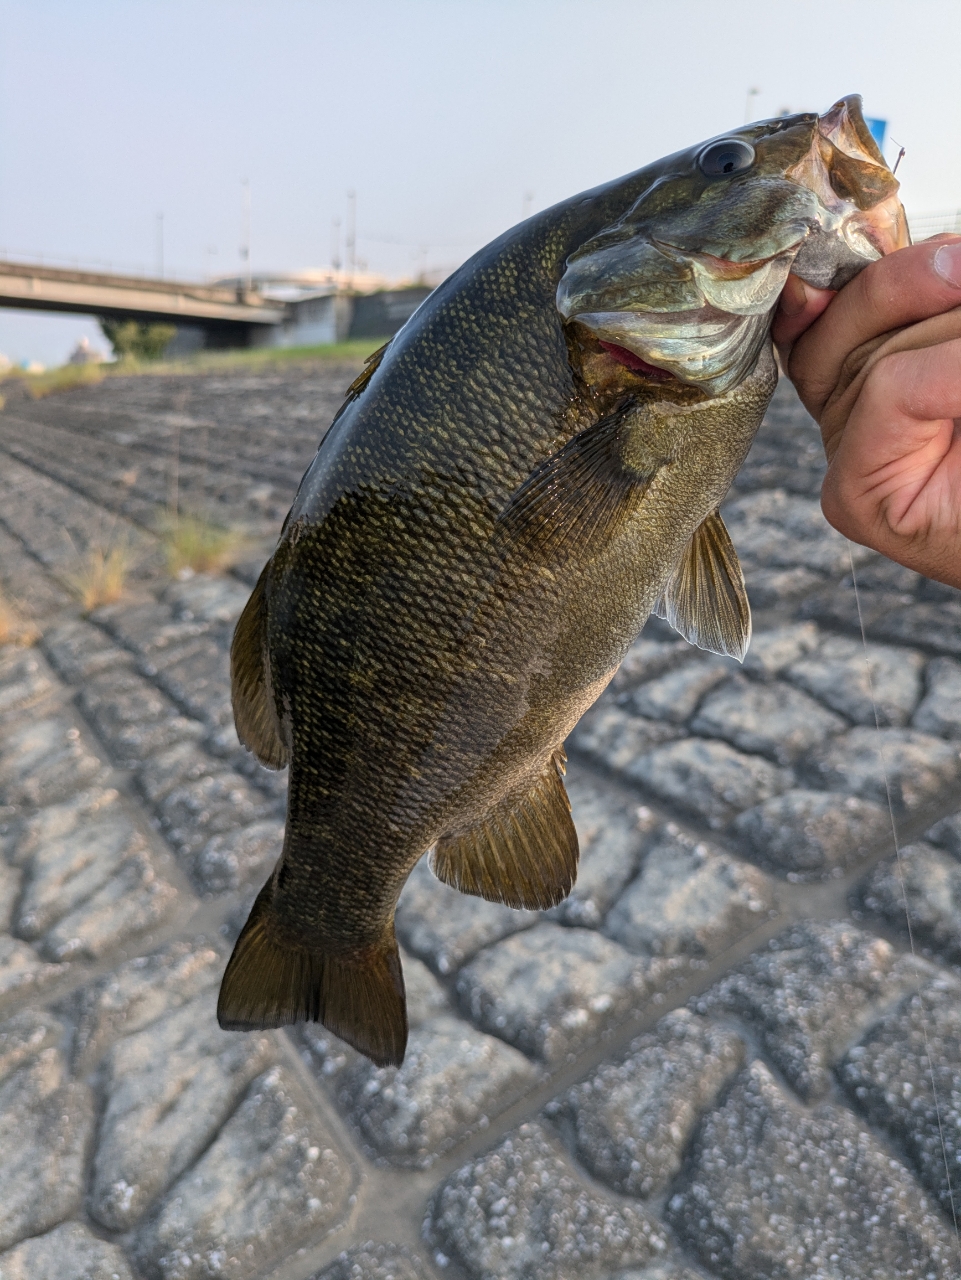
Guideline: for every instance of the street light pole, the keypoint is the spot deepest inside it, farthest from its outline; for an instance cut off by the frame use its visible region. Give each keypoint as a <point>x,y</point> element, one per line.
<point>351,245</point>
<point>245,247</point>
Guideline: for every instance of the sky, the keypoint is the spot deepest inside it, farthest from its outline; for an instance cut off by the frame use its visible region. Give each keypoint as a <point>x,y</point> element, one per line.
<point>449,119</point>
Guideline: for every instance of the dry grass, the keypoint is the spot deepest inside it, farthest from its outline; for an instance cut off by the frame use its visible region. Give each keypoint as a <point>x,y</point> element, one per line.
<point>14,628</point>
<point>8,622</point>
<point>102,575</point>
<point>196,543</point>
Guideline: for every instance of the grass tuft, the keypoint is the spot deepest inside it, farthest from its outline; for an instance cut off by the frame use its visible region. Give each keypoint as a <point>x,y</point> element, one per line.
<point>194,543</point>
<point>14,628</point>
<point>102,576</point>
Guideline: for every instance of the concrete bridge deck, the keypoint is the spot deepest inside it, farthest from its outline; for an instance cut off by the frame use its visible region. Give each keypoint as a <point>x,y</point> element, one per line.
<point>211,315</point>
<point>39,288</point>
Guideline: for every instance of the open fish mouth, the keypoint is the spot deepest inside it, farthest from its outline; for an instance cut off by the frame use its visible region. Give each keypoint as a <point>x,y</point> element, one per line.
<point>687,281</point>
<point>708,347</point>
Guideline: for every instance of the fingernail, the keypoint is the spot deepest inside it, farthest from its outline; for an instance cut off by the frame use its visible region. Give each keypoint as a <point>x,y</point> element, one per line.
<point>947,263</point>
<point>793,297</point>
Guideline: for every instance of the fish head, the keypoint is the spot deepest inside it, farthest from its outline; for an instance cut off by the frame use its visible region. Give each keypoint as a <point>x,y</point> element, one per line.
<point>683,286</point>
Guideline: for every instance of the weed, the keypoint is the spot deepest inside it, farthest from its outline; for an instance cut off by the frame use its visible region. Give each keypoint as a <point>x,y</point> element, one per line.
<point>195,543</point>
<point>14,629</point>
<point>102,575</point>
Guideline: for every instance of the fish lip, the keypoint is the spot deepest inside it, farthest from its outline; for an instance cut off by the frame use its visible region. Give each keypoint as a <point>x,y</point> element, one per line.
<point>840,121</point>
<point>870,227</point>
<point>728,268</point>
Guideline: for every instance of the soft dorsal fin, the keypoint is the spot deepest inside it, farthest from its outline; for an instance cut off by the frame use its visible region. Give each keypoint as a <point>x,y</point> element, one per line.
<point>705,598</point>
<point>578,498</point>
<point>523,854</point>
<point>254,713</point>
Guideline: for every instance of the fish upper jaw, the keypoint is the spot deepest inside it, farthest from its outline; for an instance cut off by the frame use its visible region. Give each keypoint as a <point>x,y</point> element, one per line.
<point>861,217</point>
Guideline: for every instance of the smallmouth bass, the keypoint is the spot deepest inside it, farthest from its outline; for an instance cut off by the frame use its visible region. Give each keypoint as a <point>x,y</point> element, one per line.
<point>531,466</point>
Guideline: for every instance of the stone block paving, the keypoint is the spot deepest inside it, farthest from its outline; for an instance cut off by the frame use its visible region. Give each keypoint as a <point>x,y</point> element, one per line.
<point>733,1052</point>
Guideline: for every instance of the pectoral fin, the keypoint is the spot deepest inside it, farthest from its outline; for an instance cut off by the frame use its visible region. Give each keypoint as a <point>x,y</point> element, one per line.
<point>705,598</point>
<point>576,500</point>
<point>524,854</point>
<point>254,713</point>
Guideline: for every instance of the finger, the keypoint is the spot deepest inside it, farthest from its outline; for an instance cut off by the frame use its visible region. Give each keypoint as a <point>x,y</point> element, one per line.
<point>887,472</point>
<point>800,306</point>
<point>900,289</point>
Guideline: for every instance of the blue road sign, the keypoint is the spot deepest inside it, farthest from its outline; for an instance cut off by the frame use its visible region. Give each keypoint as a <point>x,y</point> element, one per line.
<point>878,129</point>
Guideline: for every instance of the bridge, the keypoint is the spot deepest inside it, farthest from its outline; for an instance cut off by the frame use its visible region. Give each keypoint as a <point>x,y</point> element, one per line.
<point>227,316</point>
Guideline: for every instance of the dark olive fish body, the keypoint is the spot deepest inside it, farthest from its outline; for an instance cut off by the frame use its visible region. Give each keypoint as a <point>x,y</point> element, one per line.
<point>483,532</point>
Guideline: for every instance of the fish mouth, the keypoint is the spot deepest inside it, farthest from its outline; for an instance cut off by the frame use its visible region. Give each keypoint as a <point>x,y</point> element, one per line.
<point>689,290</point>
<point>861,215</point>
<point>707,348</point>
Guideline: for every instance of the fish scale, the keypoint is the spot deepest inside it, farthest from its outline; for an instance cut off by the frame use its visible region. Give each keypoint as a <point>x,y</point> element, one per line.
<point>527,469</point>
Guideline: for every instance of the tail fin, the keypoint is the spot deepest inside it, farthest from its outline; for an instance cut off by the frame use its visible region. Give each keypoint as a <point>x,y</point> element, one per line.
<point>360,997</point>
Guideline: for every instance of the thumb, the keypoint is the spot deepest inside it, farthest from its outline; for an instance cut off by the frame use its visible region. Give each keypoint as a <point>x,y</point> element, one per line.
<point>799,307</point>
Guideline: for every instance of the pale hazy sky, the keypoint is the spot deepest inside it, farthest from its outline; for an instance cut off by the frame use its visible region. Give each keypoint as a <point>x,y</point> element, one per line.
<point>441,114</point>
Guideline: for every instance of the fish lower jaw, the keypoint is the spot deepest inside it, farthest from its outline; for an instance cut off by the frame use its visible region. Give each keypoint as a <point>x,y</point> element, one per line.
<point>707,349</point>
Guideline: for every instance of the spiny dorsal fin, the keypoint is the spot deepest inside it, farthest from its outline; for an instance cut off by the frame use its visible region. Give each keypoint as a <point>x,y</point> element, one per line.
<point>523,855</point>
<point>359,997</point>
<point>578,498</point>
<point>254,713</point>
<point>368,371</point>
<point>705,598</point>
<point>360,382</point>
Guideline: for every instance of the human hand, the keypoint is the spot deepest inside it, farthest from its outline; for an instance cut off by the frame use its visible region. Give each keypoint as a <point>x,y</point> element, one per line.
<point>879,366</point>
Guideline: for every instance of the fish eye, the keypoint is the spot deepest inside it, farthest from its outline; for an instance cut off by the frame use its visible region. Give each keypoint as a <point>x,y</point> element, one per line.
<point>730,155</point>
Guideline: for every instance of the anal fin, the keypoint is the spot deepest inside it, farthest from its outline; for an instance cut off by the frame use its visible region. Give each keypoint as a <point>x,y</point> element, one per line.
<point>524,855</point>
<point>254,715</point>
<point>705,598</point>
<point>359,997</point>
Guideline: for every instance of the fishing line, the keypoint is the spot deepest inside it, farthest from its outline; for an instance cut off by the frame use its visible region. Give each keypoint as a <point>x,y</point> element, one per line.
<point>904,897</point>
